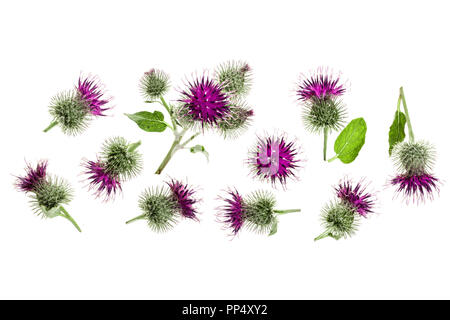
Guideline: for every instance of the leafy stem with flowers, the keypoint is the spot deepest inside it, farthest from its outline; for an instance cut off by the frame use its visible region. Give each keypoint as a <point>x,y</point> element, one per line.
<point>206,103</point>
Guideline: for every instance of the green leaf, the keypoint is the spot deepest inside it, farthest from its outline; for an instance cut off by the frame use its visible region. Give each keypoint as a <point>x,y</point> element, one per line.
<point>350,140</point>
<point>274,228</point>
<point>149,121</point>
<point>198,148</point>
<point>397,130</point>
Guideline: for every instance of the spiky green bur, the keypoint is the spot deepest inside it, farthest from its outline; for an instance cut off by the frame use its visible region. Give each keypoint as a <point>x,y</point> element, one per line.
<point>120,159</point>
<point>70,112</point>
<point>235,77</point>
<point>259,208</point>
<point>320,114</point>
<point>154,84</point>
<point>49,195</point>
<point>339,220</point>
<point>159,209</point>
<point>414,157</point>
<point>236,122</point>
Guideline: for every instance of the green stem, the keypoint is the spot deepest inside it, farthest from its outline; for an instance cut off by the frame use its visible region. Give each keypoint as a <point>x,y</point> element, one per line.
<point>66,215</point>
<point>322,236</point>
<point>189,140</point>
<point>325,141</point>
<point>286,211</point>
<point>169,110</point>
<point>174,148</point>
<point>408,119</point>
<point>142,216</point>
<point>132,147</point>
<point>54,123</point>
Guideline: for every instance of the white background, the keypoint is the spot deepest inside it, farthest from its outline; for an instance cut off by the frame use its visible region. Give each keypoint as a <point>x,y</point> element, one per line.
<point>400,252</point>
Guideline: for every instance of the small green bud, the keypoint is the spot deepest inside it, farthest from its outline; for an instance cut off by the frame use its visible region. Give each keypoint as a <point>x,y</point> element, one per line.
<point>154,84</point>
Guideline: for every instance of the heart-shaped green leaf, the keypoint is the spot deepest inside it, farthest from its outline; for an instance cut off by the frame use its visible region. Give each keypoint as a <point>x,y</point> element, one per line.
<point>198,148</point>
<point>149,121</point>
<point>351,140</point>
<point>397,130</point>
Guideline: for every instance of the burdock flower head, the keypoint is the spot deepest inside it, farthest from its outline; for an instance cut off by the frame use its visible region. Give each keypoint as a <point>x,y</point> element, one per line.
<point>340,218</point>
<point>119,161</point>
<point>154,84</point>
<point>163,207</point>
<point>324,112</point>
<point>48,194</point>
<point>256,212</point>
<point>235,77</point>
<point>206,103</point>
<point>274,159</point>
<point>73,110</point>
<point>414,159</point>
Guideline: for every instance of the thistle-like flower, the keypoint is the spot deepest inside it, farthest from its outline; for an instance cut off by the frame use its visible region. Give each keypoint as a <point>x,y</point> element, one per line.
<point>235,77</point>
<point>73,110</point>
<point>414,159</point>
<point>154,84</point>
<point>274,159</point>
<point>256,212</point>
<point>205,104</point>
<point>119,161</point>
<point>323,110</point>
<point>163,207</point>
<point>340,218</point>
<point>48,194</point>
<point>104,183</point>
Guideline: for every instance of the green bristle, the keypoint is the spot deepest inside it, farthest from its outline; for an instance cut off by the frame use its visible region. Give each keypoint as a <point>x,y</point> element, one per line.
<point>414,157</point>
<point>235,77</point>
<point>154,84</point>
<point>339,220</point>
<point>159,209</point>
<point>260,215</point>
<point>50,194</point>
<point>120,160</point>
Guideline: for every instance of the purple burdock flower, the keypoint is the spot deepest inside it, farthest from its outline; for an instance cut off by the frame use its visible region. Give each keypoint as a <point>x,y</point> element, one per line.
<point>274,158</point>
<point>417,186</point>
<point>184,198</point>
<point>233,212</point>
<point>33,177</point>
<point>205,101</point>
<point>90,92</point>
<point>356,196</point>
<point>320,85</point>
<point>106,185</point>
